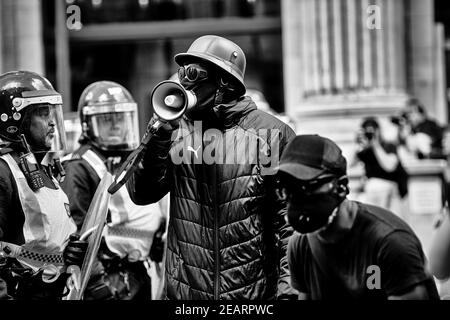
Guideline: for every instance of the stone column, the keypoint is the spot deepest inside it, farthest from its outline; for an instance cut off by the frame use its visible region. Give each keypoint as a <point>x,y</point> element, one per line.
<point>341,63</point>
<point>62,55</point>
<point>21,32</point>
<point>424,76</point>
<point>1,38</point>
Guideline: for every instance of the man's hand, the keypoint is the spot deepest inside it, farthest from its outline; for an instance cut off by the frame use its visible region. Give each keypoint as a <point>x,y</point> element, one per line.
<point>75,251</point>
<point>362,140</point>
<point>167,126</point>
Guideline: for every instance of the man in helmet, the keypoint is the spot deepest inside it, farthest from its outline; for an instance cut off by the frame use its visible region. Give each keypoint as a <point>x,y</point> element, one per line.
<point>344,249</point>
<point>227,235</point>
<point>109,119</point>
<point>35,220</point>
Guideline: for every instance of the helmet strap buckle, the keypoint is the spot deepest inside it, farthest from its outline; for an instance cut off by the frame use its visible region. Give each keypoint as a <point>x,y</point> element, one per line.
<point>58,170</point>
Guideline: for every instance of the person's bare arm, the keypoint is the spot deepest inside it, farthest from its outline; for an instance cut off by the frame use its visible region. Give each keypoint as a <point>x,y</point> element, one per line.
<point>303,296</point>
<point>388,161</point>
<point>439,255</point>
<point>419,292</point>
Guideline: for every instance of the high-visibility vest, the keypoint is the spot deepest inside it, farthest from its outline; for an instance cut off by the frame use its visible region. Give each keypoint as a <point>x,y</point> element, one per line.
<point>48,223</point>
<point>132,227</point>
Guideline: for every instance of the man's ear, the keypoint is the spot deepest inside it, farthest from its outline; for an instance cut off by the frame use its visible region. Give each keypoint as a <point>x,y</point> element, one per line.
<point>343,189</point>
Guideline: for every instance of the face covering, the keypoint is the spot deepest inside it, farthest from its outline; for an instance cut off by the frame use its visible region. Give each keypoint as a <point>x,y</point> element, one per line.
<point>312,213</point>
<point>205,91</point>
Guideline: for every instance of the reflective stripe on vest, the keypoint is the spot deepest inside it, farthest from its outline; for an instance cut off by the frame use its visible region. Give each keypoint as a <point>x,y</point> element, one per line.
<point>132,227</point>
<point>15,251</point>
<point>125,232</point>
<point>47,224</point>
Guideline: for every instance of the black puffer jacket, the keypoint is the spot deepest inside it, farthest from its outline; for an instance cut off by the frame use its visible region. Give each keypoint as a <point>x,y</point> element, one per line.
<point>227,234</point>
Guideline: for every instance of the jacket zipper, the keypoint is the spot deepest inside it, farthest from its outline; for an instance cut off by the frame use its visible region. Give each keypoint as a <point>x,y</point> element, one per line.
<point>216,238</point>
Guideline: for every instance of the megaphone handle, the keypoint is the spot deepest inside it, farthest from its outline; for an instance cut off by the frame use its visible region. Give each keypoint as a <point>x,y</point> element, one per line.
<point>151,131</point>
<point>131,164</point>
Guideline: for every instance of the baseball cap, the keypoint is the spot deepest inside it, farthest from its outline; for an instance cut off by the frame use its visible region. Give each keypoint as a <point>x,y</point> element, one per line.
<point>308,156</point>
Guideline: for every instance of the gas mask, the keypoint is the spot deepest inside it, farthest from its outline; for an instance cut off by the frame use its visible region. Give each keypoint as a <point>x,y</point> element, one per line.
<point>209,88</point>
<point>196,78</point>
<point>205,92</point>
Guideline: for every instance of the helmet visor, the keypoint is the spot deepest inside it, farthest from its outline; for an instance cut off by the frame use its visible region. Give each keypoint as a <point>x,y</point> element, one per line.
<point>115,130</point>
<point>45,128</point>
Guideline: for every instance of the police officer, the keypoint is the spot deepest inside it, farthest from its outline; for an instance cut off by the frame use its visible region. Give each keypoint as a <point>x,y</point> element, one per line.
<point>35,220</point>
<point>109,118</point>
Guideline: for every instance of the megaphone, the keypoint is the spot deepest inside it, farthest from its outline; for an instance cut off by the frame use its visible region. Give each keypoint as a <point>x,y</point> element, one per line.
<point>170,100</point>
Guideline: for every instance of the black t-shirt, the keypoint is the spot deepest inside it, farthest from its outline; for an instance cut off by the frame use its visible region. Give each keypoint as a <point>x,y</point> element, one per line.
<point>374,170</point>
<point>377,238</point>
<point>371,165</point>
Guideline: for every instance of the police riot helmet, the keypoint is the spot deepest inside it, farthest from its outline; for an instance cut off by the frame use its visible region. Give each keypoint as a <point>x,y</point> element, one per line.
<point>109,117</point>
<point>29,105</point>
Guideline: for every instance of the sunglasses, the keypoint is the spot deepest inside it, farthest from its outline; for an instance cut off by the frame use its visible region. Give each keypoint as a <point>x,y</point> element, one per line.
<point>291,188</point>
<point>192,72</point>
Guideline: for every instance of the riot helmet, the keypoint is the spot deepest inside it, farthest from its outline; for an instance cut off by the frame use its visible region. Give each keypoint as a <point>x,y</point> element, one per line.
<point>29,105</point>
<point>109,117</point>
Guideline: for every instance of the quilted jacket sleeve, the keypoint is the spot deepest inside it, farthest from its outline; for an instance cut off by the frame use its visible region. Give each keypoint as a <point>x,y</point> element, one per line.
<point>283,229</point>
<point>150,182</point>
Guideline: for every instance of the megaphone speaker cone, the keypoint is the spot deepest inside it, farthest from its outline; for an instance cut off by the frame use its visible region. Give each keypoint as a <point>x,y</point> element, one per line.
<point>174,101</point>
<point>170,100</point>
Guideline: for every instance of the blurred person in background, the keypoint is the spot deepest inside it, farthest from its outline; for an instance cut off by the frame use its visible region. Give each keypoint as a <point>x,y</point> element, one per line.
<point>386,181</point>
<point>133,234</point>
<point>421,135</point>
<point>344,249</point>
<point>37,240</point>
<point>227,234</point>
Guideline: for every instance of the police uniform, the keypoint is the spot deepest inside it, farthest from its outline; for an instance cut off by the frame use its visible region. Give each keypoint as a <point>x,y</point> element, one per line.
<point>35,220</point>
<point>37,223</point>
<point>129,233</point>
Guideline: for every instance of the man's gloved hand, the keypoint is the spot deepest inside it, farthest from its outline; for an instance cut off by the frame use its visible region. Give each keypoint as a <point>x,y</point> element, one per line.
<point>75,251</point>
<point>167,127</point>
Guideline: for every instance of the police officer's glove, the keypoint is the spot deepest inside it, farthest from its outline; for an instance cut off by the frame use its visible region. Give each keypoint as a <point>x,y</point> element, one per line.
<point>75,251</point>
<point>4,291</point>
<point>157,250</point>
